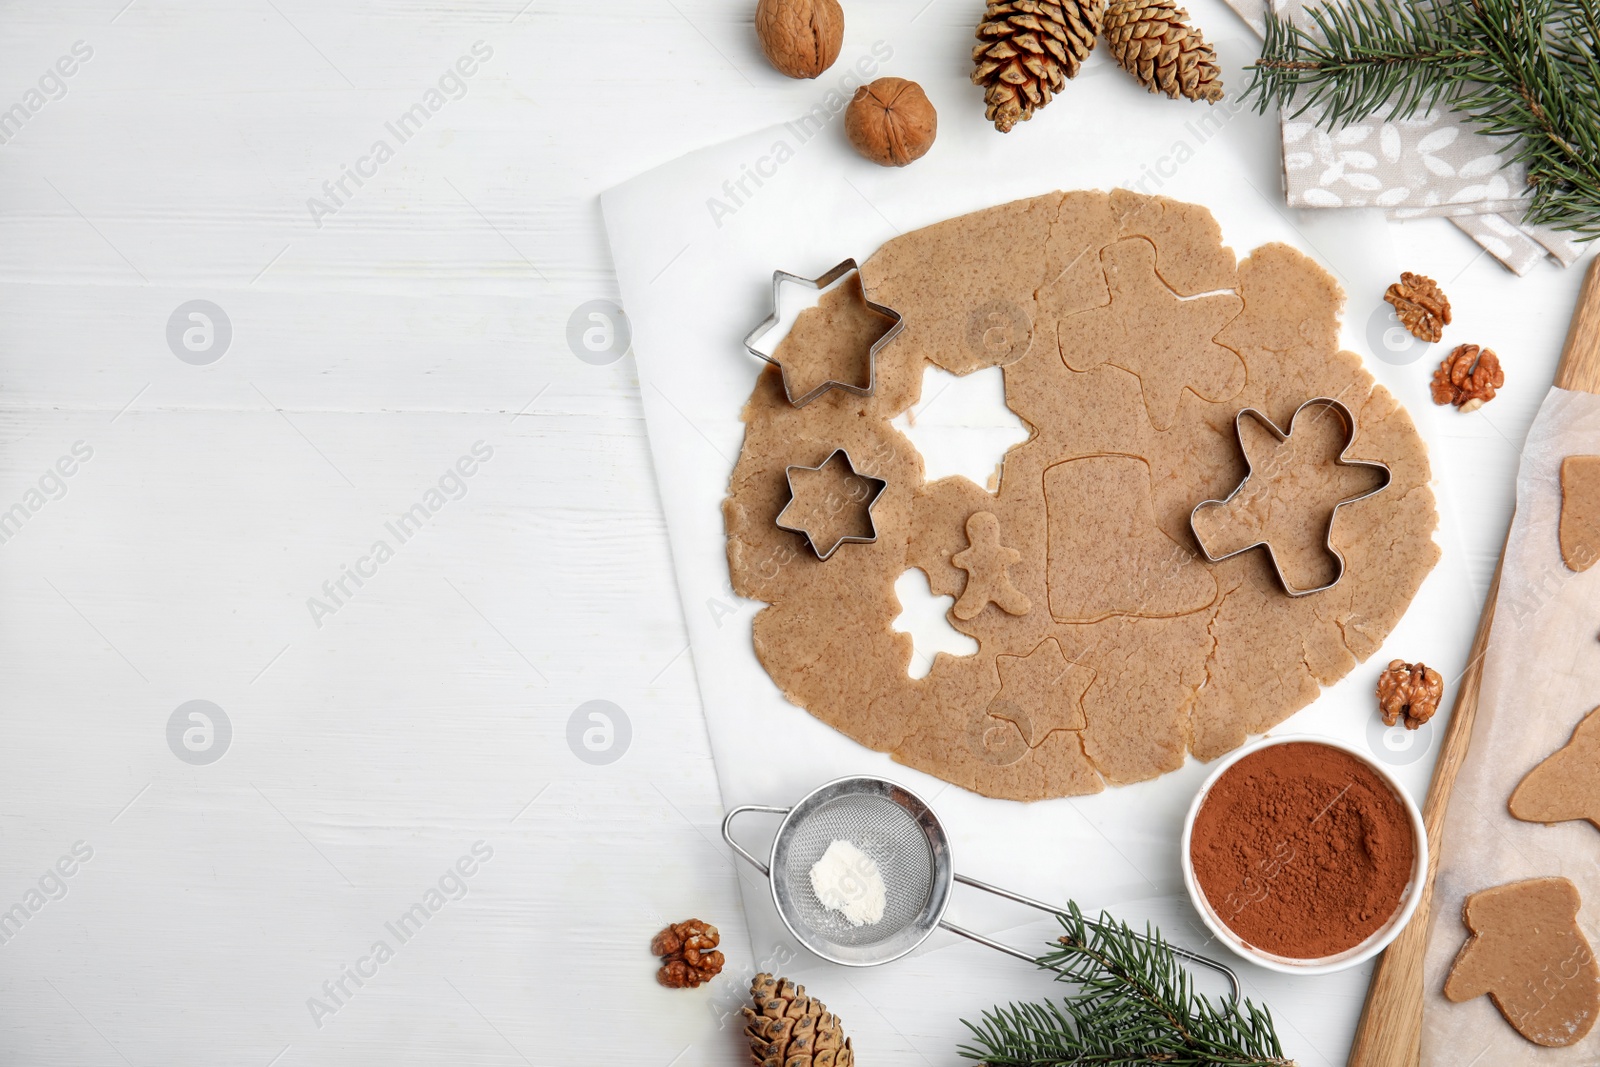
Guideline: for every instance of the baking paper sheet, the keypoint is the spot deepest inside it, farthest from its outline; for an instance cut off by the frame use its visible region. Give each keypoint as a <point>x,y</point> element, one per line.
<point>1541,675</point>
<point>695,243</point>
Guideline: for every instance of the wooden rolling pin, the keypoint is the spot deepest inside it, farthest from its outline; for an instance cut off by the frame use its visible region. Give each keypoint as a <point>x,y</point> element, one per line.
<point>1390,1032</point>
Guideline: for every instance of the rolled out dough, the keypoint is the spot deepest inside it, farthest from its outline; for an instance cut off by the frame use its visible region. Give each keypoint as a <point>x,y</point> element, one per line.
<point>1133,336</point>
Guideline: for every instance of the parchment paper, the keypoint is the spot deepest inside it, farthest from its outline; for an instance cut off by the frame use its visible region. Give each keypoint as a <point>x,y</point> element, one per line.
<point>696,277</point>
<point>1541,676</point>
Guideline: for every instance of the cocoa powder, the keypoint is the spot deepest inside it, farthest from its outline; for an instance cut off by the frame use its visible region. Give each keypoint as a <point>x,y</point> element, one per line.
<point>1302,850</point>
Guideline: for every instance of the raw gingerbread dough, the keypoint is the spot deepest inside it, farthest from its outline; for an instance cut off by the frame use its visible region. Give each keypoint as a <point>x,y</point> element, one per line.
<point>1580,511</point>
<point>831,341</point>
<point>830,505</point>
<point>1567,784</point>
<point>985,560</point>
<point>1133,651</point>
<point>1289,498</point>
<point>1527,953</point>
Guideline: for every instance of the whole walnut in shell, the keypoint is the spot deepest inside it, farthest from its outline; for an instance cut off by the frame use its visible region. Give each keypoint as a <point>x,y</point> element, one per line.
<point>801,38</point>
<point>891,122</point>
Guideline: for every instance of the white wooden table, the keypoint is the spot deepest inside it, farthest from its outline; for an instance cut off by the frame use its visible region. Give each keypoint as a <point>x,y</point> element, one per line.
<point>390,364</point>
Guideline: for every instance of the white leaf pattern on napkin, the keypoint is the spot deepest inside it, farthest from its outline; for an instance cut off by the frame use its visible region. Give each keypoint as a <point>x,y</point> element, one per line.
<point>1390,139</point>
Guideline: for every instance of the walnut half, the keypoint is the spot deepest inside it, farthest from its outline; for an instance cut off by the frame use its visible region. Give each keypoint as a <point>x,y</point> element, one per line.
<point>687,954</point>
<point>1420,305</point>
<point>1409,691</point>
<point>1468,378</point>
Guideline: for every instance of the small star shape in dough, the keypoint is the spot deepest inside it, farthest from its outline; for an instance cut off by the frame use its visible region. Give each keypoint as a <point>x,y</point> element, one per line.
<point>986,561</point>
<point>1168,343</point>
<point>1045,688</point>
<point>831,504</point>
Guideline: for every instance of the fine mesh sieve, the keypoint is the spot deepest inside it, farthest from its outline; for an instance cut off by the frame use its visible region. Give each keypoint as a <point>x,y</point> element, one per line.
<point>902,836</point>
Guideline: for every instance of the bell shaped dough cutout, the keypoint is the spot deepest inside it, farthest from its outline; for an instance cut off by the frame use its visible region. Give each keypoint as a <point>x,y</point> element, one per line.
<point>1527,953</point>
<point>1566,785</point>
<point>1107,556</point>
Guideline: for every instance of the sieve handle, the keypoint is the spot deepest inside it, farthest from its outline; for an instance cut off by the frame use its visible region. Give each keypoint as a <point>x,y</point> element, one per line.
<point>1183,953</point>
<point>727,831</point>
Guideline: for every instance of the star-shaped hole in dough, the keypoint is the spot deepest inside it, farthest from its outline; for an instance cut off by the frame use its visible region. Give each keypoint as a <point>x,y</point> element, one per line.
<point>830,504</point>
<point>1167,342</point>
<point>832,345</point>
<point>986,561</point>
<point>1295,483</point>
<point>1041,692</point>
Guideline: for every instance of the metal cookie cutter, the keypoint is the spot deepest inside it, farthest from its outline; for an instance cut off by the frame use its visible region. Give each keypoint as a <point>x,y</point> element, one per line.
<point>823,554</point>
<point>1282,436</point>
<point>847,267</point>
<point>909,846</point>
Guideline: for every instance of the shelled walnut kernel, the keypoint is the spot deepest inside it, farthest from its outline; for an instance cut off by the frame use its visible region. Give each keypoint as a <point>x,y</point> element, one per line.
<point>1420,305</point>
<point>687,954</point>
<point>1468,378</point>
<point>1409,691</point>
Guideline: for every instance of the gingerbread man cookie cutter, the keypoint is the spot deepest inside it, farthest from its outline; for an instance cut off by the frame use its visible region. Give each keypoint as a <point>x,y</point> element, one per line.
<point>1282,436</point>
<point>844,539</point>
<point>843,270</point>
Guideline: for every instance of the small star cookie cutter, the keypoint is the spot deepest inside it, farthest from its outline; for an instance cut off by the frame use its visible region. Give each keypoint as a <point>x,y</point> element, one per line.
<point>848,539</point>
<point>1341,460</point>
<point>844,269</point>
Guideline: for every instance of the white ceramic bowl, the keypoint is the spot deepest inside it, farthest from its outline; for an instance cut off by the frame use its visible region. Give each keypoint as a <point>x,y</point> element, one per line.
<point>1350,957</point>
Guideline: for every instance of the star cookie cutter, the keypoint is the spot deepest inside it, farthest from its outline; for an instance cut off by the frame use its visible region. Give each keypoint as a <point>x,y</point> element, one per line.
<point>1340,461</point>
<point>842,270</point>
<point>848,539</point>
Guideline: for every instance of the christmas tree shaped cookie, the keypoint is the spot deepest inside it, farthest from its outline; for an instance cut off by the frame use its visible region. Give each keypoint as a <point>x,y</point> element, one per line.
<point>1567,784</point>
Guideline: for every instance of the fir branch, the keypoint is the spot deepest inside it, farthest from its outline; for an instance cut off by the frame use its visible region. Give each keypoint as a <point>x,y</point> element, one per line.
<point>1526,69</point>
<point>1134,1006</point>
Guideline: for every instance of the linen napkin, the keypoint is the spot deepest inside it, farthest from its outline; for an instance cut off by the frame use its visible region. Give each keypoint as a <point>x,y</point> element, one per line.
<point>1431,164</point>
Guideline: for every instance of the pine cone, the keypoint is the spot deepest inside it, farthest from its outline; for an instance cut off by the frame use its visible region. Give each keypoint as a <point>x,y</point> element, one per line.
<point>1029,51</point>
<point>1154,42</point>
<point>687,959</point>
<point>786,1028</point>
<point>1420,305</point>
<point>1411,691</point>
<point>1468,378</point>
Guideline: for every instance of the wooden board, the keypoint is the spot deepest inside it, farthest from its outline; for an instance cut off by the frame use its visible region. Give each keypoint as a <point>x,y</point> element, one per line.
<point>1390,1032</point>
